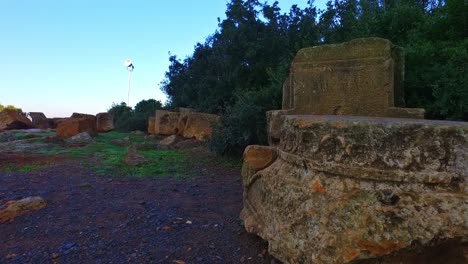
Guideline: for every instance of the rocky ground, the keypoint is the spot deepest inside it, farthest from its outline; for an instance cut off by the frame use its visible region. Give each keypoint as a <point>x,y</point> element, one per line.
<point>112,218</point>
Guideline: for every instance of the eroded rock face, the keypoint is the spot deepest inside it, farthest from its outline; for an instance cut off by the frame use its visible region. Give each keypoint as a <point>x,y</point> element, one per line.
<point>73,126</point>
<point>14,120</point>
<point>39,120</point>
<point>344,189</point>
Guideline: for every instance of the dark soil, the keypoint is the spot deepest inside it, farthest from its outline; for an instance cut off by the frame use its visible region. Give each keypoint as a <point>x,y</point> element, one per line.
<point>114,219</point>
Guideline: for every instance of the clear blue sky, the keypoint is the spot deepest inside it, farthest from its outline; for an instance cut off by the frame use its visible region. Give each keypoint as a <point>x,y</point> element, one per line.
<point>61,56</point>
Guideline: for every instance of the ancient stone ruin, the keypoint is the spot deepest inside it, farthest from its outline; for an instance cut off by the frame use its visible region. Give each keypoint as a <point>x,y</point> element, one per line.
<point>105,122</point>
<point>79,123</point>
<point>10,119</point>
<point>183,122</point>
<point>337,187</point>
<point>39,120</point>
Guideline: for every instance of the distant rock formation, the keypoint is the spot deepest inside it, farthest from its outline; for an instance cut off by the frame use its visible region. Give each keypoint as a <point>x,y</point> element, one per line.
<point>333,187</point>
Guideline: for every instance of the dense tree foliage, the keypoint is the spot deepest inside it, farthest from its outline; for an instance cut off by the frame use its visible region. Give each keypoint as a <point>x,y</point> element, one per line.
<point>127,119</point>
<point>239,70</point>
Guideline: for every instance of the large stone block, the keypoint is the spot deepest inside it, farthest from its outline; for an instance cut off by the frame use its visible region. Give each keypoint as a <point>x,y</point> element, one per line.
<point>346,189</point>
<point>363,77</point>
<point>105,122</point>
<point>151,125</point>
<point>67,128</point>
<point>166,122</point>
<point>13,120</point>
<point>199,125</point>
<point>39,120</point>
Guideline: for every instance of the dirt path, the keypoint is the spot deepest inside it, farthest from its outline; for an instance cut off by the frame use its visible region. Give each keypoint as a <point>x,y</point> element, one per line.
<point>96,219</point>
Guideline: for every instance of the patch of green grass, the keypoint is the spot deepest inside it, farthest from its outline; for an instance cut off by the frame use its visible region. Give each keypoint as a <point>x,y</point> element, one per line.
<point>109,158</point>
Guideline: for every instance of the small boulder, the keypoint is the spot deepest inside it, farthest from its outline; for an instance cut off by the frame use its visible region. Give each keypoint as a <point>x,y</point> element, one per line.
<point>80,139</point>
<point>74,126</point>
<point>17,208</point>
<point>14,120</point>
<point>105,122</point>
<point>132,158</point>
<point>169,141</point>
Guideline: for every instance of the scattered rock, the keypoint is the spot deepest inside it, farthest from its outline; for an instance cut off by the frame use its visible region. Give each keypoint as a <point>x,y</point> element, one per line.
<point>138,133</point>
<point>169,141</point>
<point>132,158</point>
<point>80,139</point>
<point>105,122</point>
<point>18,208</point>
<point>13,120</point>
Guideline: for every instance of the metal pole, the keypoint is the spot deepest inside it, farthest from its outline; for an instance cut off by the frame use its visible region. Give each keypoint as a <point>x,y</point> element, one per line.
<point>128,94</point>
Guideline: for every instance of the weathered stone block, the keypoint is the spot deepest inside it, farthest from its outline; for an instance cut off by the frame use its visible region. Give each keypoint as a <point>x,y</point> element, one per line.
<point>105,122</point>
<point>199,125</point>
<point>274,122</point>
<point>151,125</point>
<point>345,189</point>
<point>166,123</point>
<point>363,77</point>
<point>73,126</point>
<point>39,120</point>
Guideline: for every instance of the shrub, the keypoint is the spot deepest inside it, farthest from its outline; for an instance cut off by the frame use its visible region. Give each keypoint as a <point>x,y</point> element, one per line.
<point>245,122</point>
<point>127,119</point>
